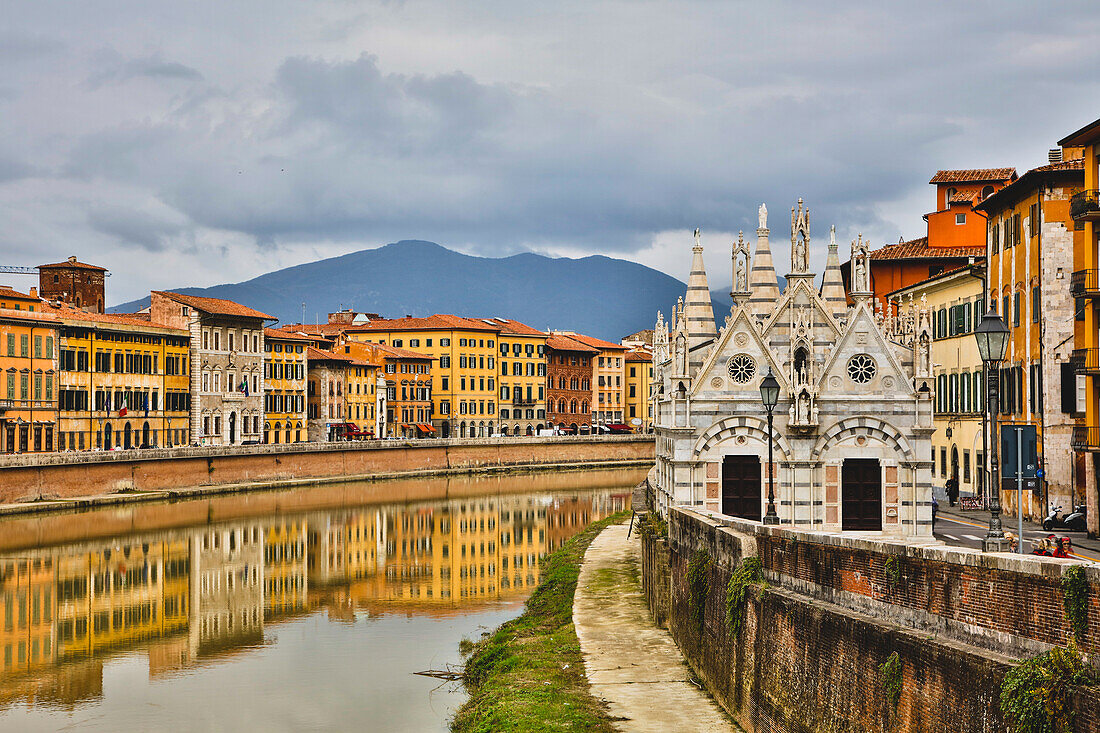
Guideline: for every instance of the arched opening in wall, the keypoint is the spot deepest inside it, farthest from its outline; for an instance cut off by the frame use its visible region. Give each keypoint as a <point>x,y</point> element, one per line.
<point>462,429</point>
<point>127,437</point>
<point>800,356</point>
<point>107,436</point>
<point>297,432</point>
<point>481,429</point>
<point>504,430</point>
<point>145,435</point>
<point>987,192</point>
<point>955,463</point>
<point>278,427</point>
<point>742,494</point>
<point>530,430</point>
<point>861,494</point>
<point>445,430</point>
<point>232,428</point>
<point>573,429</point>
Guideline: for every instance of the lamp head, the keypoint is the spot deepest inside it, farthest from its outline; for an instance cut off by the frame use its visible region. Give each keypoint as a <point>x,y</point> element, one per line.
<point>769,390</point>
<point>992,336</point>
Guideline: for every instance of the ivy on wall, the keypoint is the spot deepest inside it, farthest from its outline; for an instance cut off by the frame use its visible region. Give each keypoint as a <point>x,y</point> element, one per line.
<point>1075,598</point>
<point>698,576</point>
<point>1036,694</point>
<point>746,574</point>
<point>891,679</point>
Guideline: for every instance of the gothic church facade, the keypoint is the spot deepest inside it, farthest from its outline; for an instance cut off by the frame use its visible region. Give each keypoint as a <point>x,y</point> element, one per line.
<point>852,429</point>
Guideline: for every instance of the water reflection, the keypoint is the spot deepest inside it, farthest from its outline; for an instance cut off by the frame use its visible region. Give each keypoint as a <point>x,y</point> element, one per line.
<point>185,596</point>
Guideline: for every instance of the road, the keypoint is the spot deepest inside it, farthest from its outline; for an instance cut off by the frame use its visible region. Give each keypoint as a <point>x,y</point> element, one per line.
<point>968,533</point>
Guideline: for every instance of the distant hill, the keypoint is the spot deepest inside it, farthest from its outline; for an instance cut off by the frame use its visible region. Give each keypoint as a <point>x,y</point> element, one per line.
<point>600,296</point>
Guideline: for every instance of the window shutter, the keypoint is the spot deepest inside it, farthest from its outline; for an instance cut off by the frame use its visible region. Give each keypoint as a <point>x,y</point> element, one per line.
<point>1068,387</point>
<point>1082,392</point>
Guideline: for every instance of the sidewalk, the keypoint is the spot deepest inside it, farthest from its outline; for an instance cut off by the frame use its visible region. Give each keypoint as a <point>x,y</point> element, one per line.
<point>631,664</point>
<point>981,517</point>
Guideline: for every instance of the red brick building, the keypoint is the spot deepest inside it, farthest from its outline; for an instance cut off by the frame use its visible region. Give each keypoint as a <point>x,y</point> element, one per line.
<point>76,283</point>
<point>569,383</point>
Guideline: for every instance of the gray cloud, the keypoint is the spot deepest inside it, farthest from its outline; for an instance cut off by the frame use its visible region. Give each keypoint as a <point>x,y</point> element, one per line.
<point>497,128</point>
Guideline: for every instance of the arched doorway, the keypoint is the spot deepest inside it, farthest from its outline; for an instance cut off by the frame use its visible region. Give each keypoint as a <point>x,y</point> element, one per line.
<point>573,429</point>
<point>955,463</point>
<point>462,429</point>
<point>742,490</point>
<point>288,432</point>
<point>127,437</point>
<point>232,428</point>
<point>861,494</point>
<point>278,427</point>
<point>530,430</point>
<point>145,435</point>
<point>504,430</point>
<point>445,430</point>
<point>107,435</point>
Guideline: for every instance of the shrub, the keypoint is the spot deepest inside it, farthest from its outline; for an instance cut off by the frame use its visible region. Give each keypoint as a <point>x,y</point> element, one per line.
<point>1075,596</point>
<point>746,574</point>
<point>698,576</point>
<point>891,679</point>
<point>1036,694</point>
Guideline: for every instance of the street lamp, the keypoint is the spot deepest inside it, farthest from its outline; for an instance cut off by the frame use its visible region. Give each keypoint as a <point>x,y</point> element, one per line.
<point>769,395</point>
<point>992,337</point>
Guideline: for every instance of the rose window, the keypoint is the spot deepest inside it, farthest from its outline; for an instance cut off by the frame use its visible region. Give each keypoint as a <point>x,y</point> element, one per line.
<point>741,368</point>
<point>861,368</point>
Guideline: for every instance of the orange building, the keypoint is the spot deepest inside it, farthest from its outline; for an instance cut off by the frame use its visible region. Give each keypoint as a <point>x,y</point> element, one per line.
<point>955,233</point>
<point>28,360</point>
<point>408,399</point>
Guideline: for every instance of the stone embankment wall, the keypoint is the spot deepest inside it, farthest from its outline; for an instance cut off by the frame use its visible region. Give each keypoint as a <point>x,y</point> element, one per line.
<point>65,475</point>
<point>832,611</point>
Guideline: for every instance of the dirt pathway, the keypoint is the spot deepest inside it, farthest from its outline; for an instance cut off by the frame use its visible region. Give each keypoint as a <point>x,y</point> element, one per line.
<point>630,663</point>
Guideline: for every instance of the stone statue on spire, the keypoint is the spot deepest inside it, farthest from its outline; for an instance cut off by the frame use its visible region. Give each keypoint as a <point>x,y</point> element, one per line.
<point>698,243</point>
<point>800,239</point>
<point>741,264</point>
<point>762,217</point>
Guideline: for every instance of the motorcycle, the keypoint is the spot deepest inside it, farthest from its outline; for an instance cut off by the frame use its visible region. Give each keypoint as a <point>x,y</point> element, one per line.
<point>1074,521</point>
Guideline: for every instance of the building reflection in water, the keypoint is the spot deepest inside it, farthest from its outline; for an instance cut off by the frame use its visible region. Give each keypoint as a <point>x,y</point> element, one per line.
<point>184,596</point>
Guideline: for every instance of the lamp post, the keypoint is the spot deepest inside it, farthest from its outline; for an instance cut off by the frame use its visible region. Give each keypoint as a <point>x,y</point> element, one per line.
<point>992,337</point>
<point>769,395</point>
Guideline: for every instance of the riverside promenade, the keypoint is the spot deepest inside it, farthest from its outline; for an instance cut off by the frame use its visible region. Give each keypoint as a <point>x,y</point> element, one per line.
<point>632,665</point>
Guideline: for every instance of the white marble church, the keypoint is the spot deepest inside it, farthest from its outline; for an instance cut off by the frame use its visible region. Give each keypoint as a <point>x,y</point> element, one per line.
<point>852,429</point>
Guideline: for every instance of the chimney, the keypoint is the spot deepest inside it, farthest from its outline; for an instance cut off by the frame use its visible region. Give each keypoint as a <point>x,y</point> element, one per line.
<point>34,292</point>
<point>72,259</point>
<point>1055,155</point>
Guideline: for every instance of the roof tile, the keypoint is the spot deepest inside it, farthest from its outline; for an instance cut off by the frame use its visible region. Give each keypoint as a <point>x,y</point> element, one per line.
<point>216,306</point>
<point>916,249</point>
<point>973,175</point>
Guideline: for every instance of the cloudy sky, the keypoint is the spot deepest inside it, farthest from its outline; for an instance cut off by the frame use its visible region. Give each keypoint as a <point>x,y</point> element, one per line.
<point>202,142</point>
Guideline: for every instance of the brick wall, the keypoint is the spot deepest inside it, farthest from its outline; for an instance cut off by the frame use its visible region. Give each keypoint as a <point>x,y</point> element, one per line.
<point>808,655</point>
<point>64,475</point>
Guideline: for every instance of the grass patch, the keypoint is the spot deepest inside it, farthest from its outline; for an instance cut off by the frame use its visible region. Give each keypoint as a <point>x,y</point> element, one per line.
<point>528,675</point>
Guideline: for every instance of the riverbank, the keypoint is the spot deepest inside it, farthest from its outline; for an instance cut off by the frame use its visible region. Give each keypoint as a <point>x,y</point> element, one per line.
<point>65,482</point>
<point>529,674</point>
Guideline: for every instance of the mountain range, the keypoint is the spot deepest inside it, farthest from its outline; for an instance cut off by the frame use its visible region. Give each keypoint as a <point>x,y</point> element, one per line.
<point>600,296</point>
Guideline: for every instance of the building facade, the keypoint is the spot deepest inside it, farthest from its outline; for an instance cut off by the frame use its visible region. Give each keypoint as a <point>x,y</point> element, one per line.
<point>325,390</point>
<point>956,304</point>
<point>1085,288</point>
<point>522,377</point>
<point>1031,239</point>
<point>28,359</point>
<point>227,365</point>
<point>608,380</point>
<point>569,370</point>
<point>639,379</point>
<point>854,415</point>
<point>124,382</point>
<point>76,283</point>
<point>285,372</point>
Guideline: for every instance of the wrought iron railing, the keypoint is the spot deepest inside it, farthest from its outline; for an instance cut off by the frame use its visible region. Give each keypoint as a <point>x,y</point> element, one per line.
<point>1085,205</point>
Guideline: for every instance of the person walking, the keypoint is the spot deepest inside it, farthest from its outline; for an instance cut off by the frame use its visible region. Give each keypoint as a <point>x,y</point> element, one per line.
<point>952,488</point>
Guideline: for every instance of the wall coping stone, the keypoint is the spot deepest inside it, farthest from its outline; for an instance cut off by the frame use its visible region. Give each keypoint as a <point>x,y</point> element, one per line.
<point>74,458</point>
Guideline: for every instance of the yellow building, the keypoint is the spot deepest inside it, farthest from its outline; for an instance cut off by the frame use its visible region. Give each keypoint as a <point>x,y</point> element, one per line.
<point>464,356</point>
<point>639,377</point>
<point>27,607</point>
<point>124,382</point>
<point>956,304</point>
<point>361,395</point>
<point>286,581</point>
<point>522,386</point>
<point>1031,244</point>
<point>1085,288</point>
<point>28,358</point>
<point>285,375</point>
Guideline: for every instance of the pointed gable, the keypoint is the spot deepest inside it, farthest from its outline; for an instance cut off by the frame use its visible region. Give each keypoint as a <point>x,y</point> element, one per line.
<point>740,337</point>
<point>862,337</point>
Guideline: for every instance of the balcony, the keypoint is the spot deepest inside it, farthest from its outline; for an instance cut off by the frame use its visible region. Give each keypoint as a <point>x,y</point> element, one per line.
<point>1085,283</point>
<point>1085,206</point>
<point>1086,361</point>
<point>1086,439</point>
<point>524,402</point>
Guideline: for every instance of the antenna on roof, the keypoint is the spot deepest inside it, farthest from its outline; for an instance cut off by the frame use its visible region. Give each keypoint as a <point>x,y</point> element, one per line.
<point>303,311</point>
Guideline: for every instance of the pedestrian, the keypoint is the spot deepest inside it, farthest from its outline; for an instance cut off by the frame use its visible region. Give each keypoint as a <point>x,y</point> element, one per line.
<point>952,487</point>
<point>935,511</point>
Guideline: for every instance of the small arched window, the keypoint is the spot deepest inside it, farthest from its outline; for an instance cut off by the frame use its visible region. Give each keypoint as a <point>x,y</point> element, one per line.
<point>987,192</point>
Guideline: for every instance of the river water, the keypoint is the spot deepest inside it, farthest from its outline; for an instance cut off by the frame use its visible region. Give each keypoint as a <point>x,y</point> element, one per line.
<point>306,609</point>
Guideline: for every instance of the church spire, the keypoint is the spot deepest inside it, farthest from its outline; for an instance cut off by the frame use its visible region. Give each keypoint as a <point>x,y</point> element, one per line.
<point>763,282</point>
<point>832,283</point>
<point>698,312</point>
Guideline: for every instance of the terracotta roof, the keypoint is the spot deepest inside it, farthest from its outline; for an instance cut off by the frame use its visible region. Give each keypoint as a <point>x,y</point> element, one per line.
<point>314,354</point>
<point>71,313</point>
<point>597,343</point>
<point>953,272</point>
<point>1085,136</point>
<point>965,197</point>
<point>6,292</point>
<point>437,322</point>
<point>973,175</point>
<point>507,325</point>
<point>1025,184</point>
<point>559,342</point>
<point>22,315</point>
<point>216,306</point>
<point>279,335</point>
<point>400,353</point>
<point>75,263</point>
<point>315,329</point>
<point>638,355</point>
<point>917,249</point>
